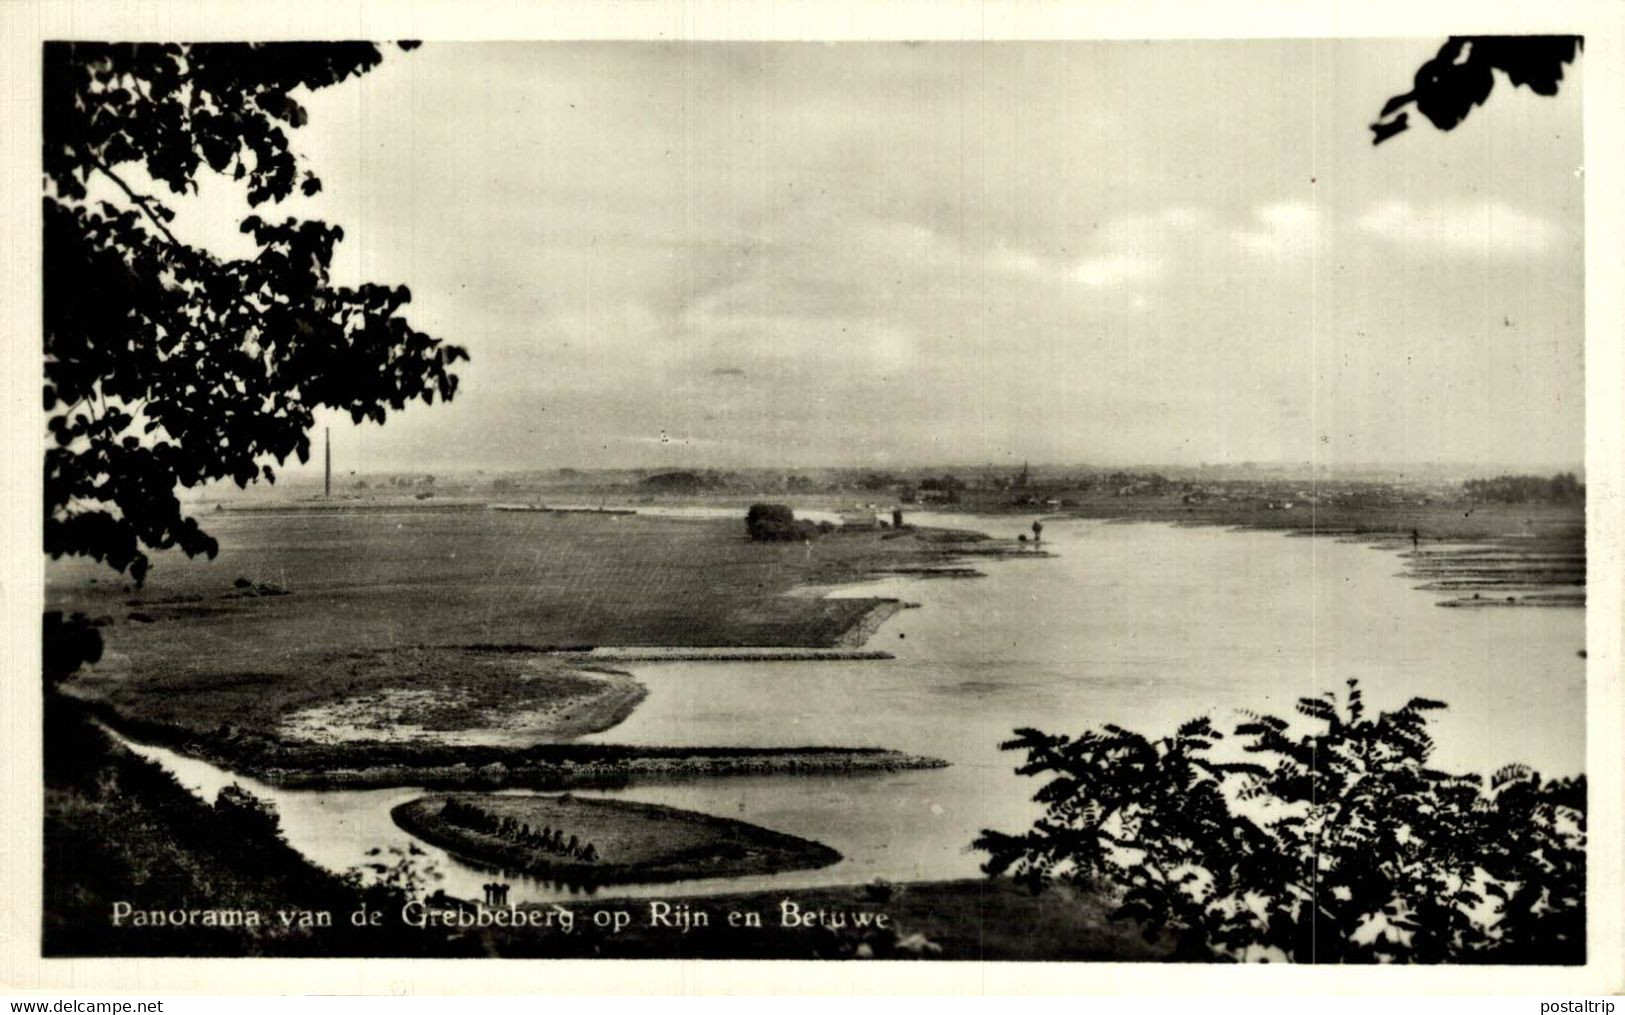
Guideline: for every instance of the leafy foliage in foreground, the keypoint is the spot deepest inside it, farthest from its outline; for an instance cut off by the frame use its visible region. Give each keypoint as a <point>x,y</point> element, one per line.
<point>1462,75</point>
<point>166,364</point>
<point>1339,845</point>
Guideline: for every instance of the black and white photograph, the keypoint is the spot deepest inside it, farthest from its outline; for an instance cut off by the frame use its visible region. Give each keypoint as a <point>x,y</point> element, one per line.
<point>1006,500</point>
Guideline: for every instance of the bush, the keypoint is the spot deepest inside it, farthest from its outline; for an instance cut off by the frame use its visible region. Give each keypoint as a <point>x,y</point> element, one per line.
<point>1336,846</point>
<point>248,812</point>
<point>776,522</point>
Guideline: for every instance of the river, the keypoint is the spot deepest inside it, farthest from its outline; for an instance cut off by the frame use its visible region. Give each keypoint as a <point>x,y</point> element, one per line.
<point>1143,625</point>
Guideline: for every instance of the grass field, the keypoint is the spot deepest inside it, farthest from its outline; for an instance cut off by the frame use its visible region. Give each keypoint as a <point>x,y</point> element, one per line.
<point>452,609</point>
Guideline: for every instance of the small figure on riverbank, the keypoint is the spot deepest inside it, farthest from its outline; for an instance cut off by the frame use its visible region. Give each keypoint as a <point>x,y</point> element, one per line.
<point>1416,539</point>
<point>1038,532</point>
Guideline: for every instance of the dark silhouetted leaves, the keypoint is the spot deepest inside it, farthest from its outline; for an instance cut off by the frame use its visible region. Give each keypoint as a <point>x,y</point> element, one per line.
<point>1327,836</point>
<point>1462,76</point>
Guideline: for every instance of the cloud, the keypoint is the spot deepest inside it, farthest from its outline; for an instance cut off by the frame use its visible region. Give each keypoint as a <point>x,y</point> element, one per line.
<point>1164,243</point>
<point>1482,228</point>
<point>727,372</point>
<point>1113,269</point>
<point>1281,229</point>
<point>1016,262</point>
<point>1138,247</point>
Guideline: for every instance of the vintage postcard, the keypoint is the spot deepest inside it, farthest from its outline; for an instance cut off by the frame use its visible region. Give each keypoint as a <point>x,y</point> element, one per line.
<point>1086,493</point>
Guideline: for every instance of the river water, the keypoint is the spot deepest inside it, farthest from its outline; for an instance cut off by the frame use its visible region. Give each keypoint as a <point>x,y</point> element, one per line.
<point>1143,625</point>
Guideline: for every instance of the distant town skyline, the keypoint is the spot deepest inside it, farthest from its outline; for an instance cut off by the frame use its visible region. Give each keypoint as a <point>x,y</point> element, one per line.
<point>871,255</point>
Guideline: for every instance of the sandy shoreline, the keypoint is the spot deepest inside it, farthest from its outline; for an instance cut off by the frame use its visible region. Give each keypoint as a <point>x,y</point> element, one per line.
<point>858,635</point>
<point>744,653</point>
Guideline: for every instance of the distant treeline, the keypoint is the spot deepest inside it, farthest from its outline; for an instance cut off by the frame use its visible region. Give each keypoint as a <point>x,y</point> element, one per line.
<point>1563,488</point>
<point>687,482</point>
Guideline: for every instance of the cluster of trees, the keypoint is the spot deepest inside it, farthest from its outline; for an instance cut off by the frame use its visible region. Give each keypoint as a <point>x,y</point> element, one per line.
<point>1135,482</point>
<point>770,523</point>
<point>1563,488</point>
<point>550,839</point>
<point>1340,844</point>
<point>947,487</point>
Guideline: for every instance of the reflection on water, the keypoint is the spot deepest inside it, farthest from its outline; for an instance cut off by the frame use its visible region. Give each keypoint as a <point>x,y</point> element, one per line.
<point>1141,625</point>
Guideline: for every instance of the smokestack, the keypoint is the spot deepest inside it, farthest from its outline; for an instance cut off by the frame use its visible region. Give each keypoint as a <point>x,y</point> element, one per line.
<point>327,477</point>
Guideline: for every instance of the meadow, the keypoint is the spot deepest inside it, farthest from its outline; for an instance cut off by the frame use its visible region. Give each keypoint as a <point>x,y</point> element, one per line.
<point>332,626</point>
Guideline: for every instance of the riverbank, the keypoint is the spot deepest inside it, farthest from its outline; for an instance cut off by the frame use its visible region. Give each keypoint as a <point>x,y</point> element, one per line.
<point>118,828</point>
<point>602,842</point>
<point>855,637</point>
<point>586,767</point>
<point>376,763</point>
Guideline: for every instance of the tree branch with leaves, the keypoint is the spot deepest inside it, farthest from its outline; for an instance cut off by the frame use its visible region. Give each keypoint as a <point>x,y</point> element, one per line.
<point>167,366</point>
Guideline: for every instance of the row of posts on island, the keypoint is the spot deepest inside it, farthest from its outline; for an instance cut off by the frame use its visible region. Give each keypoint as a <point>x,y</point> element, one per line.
<point>1038,527</point>
<point>551,840</point>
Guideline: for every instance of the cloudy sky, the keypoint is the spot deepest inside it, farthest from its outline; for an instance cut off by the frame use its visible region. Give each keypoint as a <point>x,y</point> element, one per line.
<point>807,254</point>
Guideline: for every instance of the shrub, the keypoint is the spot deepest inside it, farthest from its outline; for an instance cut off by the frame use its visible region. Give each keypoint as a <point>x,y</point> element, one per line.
<point>1339,845</point>
<point>251,815</point>
<point>67,644</point>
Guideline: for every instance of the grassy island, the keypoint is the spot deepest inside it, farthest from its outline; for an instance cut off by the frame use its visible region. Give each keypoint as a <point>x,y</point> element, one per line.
<point>599,842</point>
